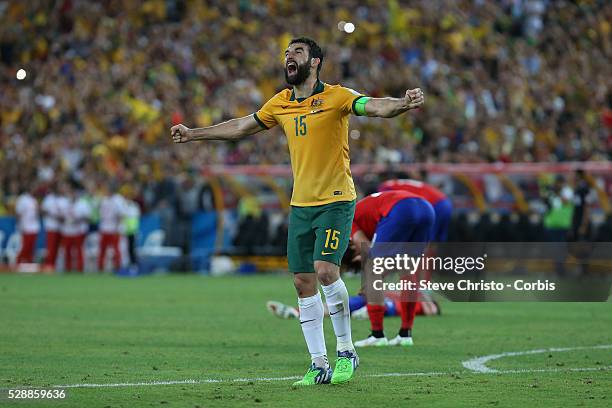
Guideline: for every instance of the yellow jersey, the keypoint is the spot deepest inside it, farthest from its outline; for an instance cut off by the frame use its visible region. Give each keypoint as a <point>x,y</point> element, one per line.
<point>317,135</point>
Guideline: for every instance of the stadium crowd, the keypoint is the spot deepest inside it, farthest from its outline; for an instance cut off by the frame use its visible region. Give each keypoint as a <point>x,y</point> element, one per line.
<point>512,81</point>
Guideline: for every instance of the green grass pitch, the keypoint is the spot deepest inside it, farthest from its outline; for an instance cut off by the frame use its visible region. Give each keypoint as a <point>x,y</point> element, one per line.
<point>67,330</point>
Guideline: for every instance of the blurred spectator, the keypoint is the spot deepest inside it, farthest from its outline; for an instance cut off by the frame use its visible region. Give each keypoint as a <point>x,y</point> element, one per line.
<point>558,218</point>
<point>583,198</point>
<point>188,201</point>
<point>252,226</point>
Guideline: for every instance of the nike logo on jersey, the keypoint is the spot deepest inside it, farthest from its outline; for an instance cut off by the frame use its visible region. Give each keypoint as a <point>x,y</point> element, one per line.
<point>285,106</point>
<point>326,253</point>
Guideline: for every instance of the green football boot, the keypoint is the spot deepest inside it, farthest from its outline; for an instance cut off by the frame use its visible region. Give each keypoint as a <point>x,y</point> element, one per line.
<point>346,364</point>
<point>315,375</point>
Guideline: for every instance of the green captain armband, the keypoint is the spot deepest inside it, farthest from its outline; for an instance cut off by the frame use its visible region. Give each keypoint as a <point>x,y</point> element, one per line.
<point>359,105</point>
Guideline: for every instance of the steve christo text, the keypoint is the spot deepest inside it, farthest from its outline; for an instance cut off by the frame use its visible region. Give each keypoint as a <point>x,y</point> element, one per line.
<point>467,285</point>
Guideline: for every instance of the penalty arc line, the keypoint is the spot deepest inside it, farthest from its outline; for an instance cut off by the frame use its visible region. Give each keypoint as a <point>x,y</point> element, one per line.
<point>479,364</point>
<point>276,379</point>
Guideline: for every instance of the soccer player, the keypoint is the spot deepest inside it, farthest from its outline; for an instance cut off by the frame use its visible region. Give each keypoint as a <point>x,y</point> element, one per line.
<point>51,221</point>
<point>75,223</point>
<point>28,225</point>
<point>314,117</point>
<point>440,202</point>
<point>130,224</point>
<point>391,216</point>
<point>113,209</point>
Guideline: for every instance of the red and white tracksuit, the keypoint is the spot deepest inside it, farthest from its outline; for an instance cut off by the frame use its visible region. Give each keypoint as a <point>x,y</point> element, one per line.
<point>75,223</point>
<point>28,225</point>
<point>51,220</point>
<point>112,211</point>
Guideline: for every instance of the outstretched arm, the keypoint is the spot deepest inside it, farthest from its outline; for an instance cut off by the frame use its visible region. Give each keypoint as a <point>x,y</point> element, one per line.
<point>233,129</point>
<point>390,107</point>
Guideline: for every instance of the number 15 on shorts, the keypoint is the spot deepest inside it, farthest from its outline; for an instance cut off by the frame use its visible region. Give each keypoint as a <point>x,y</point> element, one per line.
<point>331,240</point>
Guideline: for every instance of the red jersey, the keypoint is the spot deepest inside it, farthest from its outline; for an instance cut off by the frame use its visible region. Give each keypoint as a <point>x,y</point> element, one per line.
<point>372,208</point>
<point>428,192</point>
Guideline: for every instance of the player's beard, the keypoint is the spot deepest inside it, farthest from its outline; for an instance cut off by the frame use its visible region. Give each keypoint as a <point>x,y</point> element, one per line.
<point>300,76</point>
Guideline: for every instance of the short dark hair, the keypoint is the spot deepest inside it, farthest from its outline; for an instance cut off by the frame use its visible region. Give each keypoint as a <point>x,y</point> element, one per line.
<point>314,51</point>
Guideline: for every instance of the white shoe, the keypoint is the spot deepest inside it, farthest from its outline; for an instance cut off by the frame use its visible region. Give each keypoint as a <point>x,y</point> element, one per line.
<point>401,341</point>
<point>282,310</point>
<point>360,314</point>
<point>372,342</point>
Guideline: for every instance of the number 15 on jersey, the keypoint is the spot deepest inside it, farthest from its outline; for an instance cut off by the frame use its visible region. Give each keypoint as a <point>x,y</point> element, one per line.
<point>300,125</point>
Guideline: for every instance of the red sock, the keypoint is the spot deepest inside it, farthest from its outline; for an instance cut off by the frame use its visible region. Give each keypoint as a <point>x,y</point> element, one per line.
<point>407,312</point>
<point>377,314</point>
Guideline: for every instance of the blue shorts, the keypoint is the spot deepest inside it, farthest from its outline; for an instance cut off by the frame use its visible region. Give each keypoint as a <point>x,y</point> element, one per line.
<point>359,301</point>
<point>444,211</point>
<point>410,220</point>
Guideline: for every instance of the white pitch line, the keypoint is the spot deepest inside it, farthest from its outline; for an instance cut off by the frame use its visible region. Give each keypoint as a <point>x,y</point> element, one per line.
<point>138,384</point>
<point>178,382</point>
<point>479,364</point>
<point>550,370</point>
<point>275,379</point>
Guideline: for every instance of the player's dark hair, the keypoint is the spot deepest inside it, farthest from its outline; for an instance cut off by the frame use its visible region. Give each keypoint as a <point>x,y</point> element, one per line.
<point>314,51</point>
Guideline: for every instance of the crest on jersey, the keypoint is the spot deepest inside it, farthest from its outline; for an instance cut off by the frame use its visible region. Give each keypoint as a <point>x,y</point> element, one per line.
<point>316,103</point>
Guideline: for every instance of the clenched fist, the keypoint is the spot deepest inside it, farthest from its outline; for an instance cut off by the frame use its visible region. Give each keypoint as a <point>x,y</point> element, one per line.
<point>180,133</point>
<point>414,98</point>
